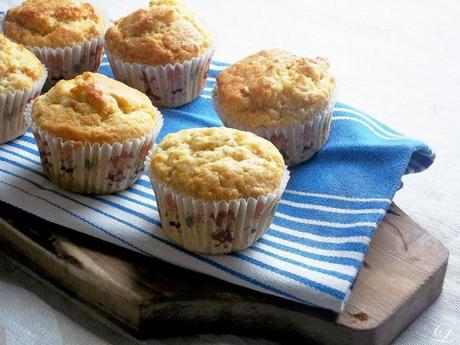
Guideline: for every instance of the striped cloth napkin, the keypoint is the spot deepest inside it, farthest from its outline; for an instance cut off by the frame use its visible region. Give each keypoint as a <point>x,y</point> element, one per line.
<point>313,251</point>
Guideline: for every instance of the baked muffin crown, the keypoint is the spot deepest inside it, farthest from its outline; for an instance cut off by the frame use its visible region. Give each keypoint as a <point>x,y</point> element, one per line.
<point>53,23</point>
<point>166,32</point>
<point>274,88</point>
<point>218,164</point>
<point>19,67</point>
<point>94,108</point>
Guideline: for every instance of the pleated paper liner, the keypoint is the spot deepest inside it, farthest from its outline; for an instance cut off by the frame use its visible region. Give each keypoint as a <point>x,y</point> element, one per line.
<point>93,168</point>
<point>168,85</point>
<point>12,107</point>
<point>214,227</point>
<point>297,143</point>
<point>68,62</point>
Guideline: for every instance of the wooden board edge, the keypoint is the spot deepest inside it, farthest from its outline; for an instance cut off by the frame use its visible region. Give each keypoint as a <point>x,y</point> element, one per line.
<point>36,258</point>
<point>295,319</point>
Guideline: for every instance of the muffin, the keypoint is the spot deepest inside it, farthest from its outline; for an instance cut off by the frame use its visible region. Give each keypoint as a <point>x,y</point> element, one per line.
<point>22,77</point>
<point>93,133</point>
<point>216,188</point>
<point>163,51</point>
<point>284,98</point>
<point>66,35</point>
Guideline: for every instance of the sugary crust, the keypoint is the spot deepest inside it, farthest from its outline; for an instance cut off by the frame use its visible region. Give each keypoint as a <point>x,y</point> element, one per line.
<point>94,108</point>
<point>165,32</point>
<point>53,23</point>
<point>19,68</point>
<point>218,163</point>
<point>274,88</point>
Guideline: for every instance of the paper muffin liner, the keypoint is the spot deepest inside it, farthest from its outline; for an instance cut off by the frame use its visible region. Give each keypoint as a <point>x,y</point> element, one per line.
<point>68,62</point>
<point>166,85</point>
<point>12,105</point>
<point>296,143</point>
<point>92,168</point>
<point>214,227</point>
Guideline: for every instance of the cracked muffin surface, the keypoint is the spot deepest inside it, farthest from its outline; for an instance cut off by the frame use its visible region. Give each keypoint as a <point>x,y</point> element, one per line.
<point>273,88</point>
<point>19,67</point>
<point>95,108</point>
<point>165,32</point>
<point>218,163</point>
<point>53,23</point>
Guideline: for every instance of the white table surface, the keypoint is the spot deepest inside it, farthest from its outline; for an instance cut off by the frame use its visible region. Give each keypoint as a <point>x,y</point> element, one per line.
<point>397,60</point>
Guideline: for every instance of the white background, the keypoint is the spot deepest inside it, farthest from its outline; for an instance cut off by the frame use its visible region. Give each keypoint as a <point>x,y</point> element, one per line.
<point>397,60</point>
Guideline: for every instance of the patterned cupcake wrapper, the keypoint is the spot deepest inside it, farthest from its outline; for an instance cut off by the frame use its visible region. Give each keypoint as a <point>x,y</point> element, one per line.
<point>214,227</point>
<point>166,85</point>
<point>12,105</point>
<point>68,62</point>
<point>296,143</point>
<point>92,168</point>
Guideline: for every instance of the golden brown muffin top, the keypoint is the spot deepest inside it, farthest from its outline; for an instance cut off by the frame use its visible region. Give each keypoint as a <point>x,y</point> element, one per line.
<point>19,67</point>
<point>218,163</point>
<point>166,32</point>
<point>94,108</point>
<point>53,23</point>
<point>274,88</point>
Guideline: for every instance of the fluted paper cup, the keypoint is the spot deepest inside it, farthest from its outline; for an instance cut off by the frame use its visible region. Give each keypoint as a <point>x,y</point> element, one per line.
<point>297,143</point>
<point>93,168</point>
<point>68,62</point>
<point>214,227</point>
<point>12,106</point>
<point>168,85</point>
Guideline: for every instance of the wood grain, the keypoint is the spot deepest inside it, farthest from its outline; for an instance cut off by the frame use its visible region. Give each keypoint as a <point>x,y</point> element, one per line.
<point>149,297</point>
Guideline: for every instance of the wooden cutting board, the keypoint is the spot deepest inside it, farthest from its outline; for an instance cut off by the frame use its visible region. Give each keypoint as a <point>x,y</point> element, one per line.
<point>402,275</point>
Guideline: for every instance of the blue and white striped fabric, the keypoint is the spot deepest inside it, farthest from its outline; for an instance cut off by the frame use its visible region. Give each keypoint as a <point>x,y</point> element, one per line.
<point>321,232</point>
